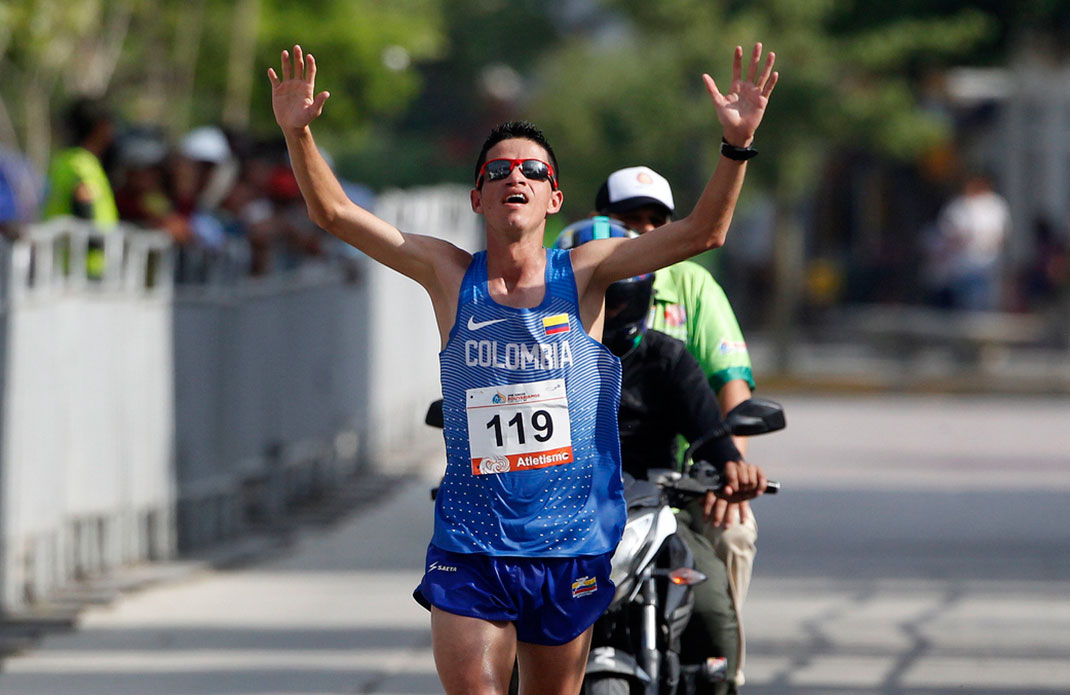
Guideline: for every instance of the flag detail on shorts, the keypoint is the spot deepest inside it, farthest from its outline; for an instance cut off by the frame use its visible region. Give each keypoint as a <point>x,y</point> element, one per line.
<point>584,586</point>
<point>556,324</point>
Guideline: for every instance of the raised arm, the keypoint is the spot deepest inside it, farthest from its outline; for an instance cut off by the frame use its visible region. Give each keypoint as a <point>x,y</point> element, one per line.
<point>296,105</point>
<point>740,111</point>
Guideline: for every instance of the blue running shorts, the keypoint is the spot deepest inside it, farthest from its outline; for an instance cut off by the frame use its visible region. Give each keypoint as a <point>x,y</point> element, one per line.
<point>551,600</point>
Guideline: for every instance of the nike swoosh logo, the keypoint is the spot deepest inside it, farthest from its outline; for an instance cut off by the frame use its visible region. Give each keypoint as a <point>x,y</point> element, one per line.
<point>474,325</point>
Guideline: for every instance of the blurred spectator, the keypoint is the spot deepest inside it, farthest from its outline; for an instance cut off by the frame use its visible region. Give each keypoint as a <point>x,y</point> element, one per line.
<point>1048,271</point>
<point>21,192</point>
<point>230,204</point>
<point>141,196</point>
<point>299,236</point>
<point>78,185</point>
<point>247,218</point>
<point>965,247</point>
<point>203,174</point>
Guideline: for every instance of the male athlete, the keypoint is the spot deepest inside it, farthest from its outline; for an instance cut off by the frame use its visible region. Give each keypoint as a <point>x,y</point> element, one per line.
<point>530,508</point>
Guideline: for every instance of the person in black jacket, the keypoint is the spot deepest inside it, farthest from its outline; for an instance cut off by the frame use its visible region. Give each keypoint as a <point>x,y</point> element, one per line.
<point>665,394</point>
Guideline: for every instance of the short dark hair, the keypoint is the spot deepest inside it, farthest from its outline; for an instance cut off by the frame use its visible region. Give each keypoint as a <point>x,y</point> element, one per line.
<point>82,117</point>
<point>516,129</point>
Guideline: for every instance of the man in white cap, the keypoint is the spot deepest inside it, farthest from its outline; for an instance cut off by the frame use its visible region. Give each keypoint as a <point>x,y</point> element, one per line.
<point>689,305</point>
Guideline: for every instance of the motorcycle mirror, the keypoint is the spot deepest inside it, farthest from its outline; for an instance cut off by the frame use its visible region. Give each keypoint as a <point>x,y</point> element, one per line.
<point>755,416</point>
<point>751,417</point>
<point>434,414</point>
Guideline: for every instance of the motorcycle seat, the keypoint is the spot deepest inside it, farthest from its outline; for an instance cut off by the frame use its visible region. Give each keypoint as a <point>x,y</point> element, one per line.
<point>641,493</point>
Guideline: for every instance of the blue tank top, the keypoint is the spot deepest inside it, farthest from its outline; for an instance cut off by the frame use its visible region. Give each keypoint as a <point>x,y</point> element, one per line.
<point>530,422</point>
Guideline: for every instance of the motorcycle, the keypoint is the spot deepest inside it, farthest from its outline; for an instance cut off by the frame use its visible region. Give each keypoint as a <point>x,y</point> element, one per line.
<point>635,646</point>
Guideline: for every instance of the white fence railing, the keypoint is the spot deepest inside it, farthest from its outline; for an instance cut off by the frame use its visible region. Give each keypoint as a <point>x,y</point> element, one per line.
<point>139,418</point>
<point>87,424</point>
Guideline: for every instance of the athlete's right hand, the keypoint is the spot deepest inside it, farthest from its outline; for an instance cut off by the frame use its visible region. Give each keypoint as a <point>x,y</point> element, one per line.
<point>293,97</point>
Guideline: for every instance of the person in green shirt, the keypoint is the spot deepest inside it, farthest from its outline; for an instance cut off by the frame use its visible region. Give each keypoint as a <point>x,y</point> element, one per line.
<point>689,305</point>
<point>77,184</point>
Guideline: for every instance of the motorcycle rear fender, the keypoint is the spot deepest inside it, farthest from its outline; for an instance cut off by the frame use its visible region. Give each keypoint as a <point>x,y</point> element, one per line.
<point>608,660</point>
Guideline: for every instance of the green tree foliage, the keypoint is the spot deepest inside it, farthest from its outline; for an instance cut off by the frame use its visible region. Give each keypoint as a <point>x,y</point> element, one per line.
<point>848,82</point>
<point>638,95</point>
<point>613,82</point>
<point>51,49</point>
<point>165,62</point>
<point>367,50</point>
<point>479,78</point>
<point>627,105</point>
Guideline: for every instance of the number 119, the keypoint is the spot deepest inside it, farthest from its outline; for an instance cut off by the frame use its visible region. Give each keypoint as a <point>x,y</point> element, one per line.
<point>541,423</point>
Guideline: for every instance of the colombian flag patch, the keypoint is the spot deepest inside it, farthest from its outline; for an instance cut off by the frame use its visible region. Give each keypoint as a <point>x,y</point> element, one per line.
<point>584,586</point>
<point>556,324</point>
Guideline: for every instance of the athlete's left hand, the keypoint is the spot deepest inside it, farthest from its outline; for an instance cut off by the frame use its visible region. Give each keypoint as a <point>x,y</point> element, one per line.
<point>742,107</point>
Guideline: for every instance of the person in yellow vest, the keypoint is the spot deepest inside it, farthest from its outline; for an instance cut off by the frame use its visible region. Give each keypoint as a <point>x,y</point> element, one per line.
<point>77,183</point>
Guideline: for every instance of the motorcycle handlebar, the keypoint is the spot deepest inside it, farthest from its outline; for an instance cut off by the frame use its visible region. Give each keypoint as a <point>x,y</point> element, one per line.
<point>705,476</point>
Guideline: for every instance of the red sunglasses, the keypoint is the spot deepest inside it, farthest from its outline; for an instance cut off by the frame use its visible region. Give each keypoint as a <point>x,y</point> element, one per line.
<point>534,169</point>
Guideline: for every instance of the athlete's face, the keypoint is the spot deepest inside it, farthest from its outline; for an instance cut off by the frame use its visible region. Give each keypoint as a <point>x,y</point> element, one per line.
<point>516,202</point>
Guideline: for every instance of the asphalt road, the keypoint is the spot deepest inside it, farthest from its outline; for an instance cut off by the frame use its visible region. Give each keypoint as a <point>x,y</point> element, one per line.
<point>921,546</point>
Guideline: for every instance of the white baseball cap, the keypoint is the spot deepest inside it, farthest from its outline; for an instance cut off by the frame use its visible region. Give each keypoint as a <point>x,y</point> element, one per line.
<point>205,144</point>
<point>633,187</point>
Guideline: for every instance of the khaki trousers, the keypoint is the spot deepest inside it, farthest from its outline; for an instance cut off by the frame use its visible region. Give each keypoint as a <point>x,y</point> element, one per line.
<point>736,546</point>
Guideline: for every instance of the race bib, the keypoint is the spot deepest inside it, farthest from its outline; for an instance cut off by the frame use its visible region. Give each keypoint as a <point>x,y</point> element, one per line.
<point>518,427</point>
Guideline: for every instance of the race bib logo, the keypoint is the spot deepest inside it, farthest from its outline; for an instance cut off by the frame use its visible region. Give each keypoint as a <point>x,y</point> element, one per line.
<point>584,586</point>
<point>497,464</point>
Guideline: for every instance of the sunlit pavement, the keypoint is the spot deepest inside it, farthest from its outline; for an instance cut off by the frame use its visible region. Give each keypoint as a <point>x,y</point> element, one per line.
<point>335,615</point>
<point>921,546</point>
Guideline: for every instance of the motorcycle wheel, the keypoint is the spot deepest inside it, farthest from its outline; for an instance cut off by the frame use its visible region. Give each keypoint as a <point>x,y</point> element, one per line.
<point>607,686</point>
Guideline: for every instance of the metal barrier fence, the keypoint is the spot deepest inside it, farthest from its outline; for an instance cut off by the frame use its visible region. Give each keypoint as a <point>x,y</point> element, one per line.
<point>139,418</point>
<point>270,393</point>
<point>85,482</point>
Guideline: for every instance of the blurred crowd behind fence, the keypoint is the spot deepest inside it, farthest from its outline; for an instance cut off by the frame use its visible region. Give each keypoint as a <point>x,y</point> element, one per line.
<point>143,418</point>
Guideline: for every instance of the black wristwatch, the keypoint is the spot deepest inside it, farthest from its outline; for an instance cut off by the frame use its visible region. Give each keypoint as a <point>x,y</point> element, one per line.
<point>739,154</point>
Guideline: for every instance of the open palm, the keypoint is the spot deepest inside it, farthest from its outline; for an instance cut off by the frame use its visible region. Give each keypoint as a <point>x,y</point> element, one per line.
<point>742,107</point>
<point>293,97</point>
